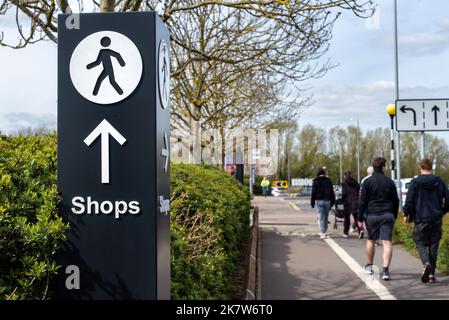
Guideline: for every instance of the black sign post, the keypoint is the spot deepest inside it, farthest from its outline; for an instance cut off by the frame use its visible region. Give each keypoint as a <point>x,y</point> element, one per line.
<point>113,156</point>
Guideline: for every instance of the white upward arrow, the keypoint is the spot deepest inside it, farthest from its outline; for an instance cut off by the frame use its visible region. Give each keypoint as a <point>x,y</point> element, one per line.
<point>104,129</point>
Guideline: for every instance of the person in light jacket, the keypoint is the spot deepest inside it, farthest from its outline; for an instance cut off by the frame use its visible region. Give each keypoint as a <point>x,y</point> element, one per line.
<point>265,184</point>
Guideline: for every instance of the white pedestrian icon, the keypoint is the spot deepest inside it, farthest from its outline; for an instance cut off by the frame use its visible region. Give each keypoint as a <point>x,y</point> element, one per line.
<point>106,67</point>
<point>164,74</point>
<point>104,58</point>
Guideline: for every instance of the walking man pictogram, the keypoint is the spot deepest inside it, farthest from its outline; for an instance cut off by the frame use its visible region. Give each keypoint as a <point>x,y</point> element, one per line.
<point>104,57</point>
<point>165,87</point>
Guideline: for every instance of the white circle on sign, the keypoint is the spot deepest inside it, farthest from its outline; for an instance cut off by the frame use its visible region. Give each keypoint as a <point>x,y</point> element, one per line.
<point>106,67</point>
<point>164,74</point>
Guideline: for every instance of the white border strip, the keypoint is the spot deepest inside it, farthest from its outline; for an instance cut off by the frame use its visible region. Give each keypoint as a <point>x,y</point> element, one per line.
<point>294,206</point>
<point>372,283</point>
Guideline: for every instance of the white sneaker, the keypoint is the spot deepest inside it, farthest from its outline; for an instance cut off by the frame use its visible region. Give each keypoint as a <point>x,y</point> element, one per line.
<point>386,275</point>
<point>368,269</point>
<point>323,236</point>
<point>344,235</point>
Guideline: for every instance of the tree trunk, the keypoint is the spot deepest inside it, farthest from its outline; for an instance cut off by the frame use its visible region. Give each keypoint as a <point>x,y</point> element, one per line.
<point>107,5</point>
<point>65,7</point>
<point>223,146</point>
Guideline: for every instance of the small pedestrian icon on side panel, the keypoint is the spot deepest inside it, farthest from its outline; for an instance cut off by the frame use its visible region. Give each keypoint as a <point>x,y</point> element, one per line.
<point>104,58</point>
<point>164,74</point>
<point>101,56</point>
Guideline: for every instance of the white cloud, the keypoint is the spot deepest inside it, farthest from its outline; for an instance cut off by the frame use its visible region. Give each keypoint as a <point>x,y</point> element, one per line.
<point>17,120</point>
<point>376,86</point>
<point>27,84</point>
<point>434,40</point>
<point>424,43</point>
<point>367,102</point>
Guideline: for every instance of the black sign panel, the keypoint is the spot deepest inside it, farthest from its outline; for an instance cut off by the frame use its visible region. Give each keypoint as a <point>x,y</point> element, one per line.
<point>113,156</point>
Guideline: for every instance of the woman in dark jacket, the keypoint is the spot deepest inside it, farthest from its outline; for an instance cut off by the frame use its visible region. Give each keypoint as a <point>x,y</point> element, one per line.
<point>350,197</point>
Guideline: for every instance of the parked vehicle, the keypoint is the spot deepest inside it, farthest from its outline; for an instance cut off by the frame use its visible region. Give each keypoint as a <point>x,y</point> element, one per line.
<point>279,188</point>
<point>277,192</point>
<point>305,192</point>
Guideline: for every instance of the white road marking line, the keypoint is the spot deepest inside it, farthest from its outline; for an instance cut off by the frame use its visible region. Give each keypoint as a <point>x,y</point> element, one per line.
<point>372,283</point>
<point>294,206</point>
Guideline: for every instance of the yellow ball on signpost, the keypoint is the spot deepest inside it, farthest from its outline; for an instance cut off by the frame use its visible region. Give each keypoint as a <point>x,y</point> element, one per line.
<point>391,109</point>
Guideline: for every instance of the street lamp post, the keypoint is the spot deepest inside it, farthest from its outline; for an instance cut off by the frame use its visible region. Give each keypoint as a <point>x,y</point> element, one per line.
<point>358,151</point>
<point>358,148</point>
<point>341,163</point>
<point>288,170</point>
<point>423,145</point>
<point>396,56</point>
<point>391,110</point>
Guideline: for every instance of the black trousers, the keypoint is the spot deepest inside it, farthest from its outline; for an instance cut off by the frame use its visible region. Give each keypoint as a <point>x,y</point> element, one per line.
<point>427,236</point>
<point>347,222</point>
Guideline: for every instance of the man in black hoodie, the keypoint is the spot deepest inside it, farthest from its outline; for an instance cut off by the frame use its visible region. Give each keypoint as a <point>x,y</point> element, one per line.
<point>426,203</point>
<point>380,203</point>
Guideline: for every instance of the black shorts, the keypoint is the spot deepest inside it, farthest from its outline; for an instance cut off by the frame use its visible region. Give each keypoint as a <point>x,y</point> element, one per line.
<point>380,226</point>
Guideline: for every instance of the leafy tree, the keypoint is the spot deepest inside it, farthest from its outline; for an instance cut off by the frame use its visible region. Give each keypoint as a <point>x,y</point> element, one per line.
<point>314,147</point>
<point>375,143</point>
<point>311,150</point>
<point>410,154</point>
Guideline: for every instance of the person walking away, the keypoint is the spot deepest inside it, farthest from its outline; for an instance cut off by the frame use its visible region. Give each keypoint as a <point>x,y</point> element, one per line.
<point>265,184</point>
<point>323,197</point>
<point>369,173</point>
<point>379,201</point>
<point>426,203</point>
<point>350,197</point>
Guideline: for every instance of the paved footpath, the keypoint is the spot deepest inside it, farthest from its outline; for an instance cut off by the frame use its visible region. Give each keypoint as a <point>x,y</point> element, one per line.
<point>296,264</point>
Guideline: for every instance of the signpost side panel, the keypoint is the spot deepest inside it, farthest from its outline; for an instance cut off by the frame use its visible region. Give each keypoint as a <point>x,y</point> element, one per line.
<point>163,162</point>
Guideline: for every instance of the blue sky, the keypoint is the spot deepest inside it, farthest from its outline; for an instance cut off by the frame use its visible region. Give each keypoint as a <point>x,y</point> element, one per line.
<point>363,83</point>
<point>359,87</point>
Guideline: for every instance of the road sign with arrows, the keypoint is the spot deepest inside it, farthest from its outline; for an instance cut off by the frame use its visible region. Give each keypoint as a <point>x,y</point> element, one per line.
<point>114,156</point>
<point>422,115</point>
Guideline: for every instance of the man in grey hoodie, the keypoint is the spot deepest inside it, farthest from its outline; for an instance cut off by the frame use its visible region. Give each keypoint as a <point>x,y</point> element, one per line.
<point>426,203</point>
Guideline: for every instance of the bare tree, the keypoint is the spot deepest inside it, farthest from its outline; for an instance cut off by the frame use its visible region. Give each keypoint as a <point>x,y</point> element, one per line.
<point>40,15</point>
<point>237,63</point>
<point>231,59</point>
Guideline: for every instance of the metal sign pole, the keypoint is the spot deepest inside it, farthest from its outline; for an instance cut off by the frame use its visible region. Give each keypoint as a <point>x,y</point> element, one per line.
<point>392,164</point>
<point>398,144</point>
<point>358,151</point>
<point>423,145</point>
<point>341,163</point>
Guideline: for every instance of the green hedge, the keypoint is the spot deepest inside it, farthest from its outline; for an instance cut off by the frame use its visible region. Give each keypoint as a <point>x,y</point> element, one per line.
<point>209,224</point>
<point>403,236</point>
<point>30,228</point>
